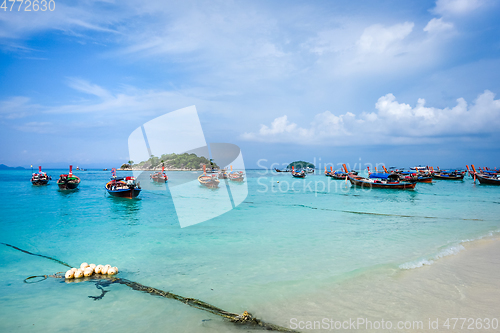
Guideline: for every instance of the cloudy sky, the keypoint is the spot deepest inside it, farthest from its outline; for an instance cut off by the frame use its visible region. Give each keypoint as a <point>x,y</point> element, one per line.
<point>397,82</point>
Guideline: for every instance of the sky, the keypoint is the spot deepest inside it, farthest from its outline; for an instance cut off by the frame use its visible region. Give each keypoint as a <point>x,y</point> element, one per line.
<point>396,82</point>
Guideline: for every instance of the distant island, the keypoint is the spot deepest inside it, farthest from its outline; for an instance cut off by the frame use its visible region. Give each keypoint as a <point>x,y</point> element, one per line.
<point>300,165</point>
<point>4,167</point>
<point>181,162</point>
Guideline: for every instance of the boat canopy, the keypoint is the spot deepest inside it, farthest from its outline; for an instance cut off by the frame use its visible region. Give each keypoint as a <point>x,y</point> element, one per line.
<point>379,175</point>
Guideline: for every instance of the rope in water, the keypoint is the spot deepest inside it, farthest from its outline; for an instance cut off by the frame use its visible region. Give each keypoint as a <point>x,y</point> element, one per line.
<point>244,319</point>
<point>38,255</point>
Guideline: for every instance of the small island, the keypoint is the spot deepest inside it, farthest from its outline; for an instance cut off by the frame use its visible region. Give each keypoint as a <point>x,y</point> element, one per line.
<point>172,162</point>
<point>300,165</point>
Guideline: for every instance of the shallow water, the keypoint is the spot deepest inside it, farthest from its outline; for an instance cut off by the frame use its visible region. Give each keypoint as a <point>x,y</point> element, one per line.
<point>282,243</point>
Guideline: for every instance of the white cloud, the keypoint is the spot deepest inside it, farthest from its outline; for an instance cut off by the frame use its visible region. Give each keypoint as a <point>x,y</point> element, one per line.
<point>377,38</point>
<point>40,127</point>
<point>278,126</point>
<point>17,107</point>
<point>66,18</point>
<point>393,123</point>
<point>88,88</point>
<point>437,25</point>
<point>457,7</point>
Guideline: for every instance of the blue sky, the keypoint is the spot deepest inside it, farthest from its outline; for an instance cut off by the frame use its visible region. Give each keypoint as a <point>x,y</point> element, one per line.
<point>395,82</point>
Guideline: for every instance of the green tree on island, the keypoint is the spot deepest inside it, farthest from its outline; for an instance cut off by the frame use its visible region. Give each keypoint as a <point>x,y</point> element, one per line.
<point>300,165</point>
<point>175,161</point>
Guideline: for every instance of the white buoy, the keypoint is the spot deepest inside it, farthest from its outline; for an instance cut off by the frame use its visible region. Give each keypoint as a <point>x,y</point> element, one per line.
<point>116,268</point>
<point>104,270</point>
<point>69,274</point>
<point>84,265</point>
<point>112,271</point>
<point>78,274</point>
<point>74,270</point>
<point>92,266</point>
<point>97,269</point>
<point>88,271</point>
<point>108,266</point>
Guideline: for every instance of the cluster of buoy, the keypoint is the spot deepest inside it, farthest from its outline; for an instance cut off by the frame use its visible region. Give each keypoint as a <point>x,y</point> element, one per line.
<point>88,270</point>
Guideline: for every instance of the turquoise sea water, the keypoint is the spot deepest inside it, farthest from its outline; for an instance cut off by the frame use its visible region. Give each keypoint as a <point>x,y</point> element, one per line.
<point>282,242</point>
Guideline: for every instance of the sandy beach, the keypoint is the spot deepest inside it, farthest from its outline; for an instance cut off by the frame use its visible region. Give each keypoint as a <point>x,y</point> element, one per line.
<point>426,299</point>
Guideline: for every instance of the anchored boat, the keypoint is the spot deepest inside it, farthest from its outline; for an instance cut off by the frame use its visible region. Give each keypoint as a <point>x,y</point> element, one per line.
<point>486,177</point>
<point>68,181</point>
<point>160,177</point>
<point>411,176</point>
<point>449,175</point>
<point>211,181</point>
<point>223,174</point>
<point>391,182</point>
<point>298,174</point>
<point>123,187</point>
<point>236,176</point>
<point>40,178</point>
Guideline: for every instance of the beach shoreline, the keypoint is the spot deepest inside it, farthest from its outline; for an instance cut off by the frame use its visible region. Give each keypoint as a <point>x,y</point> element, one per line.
<point>423,299</point>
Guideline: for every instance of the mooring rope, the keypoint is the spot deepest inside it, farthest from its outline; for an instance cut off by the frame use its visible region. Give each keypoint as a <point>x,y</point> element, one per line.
<point>243,319</point>
<point>38,255</point>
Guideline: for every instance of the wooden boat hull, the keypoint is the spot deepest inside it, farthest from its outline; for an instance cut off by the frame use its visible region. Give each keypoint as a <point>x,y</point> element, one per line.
<point>390,185</point>
<point>40,182</point>
<point>125,193</point>
<point>424,180</point>
<point>159,179</point>
<point>68,182</point>
<point>420,179</point>
<point>68,185</point>
<point>299,175</point>
<point>447,177</point>
<point>236,176</point>
<point>487,180</point>
<point>208,181</point>
<point>210,184</point>
<point>338,176</point>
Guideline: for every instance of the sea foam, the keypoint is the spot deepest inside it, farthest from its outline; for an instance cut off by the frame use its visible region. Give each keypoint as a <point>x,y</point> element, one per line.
<point>452,250</point>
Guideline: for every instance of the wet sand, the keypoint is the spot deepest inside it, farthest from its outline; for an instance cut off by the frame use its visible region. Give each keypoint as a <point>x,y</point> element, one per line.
<point>465,285</point>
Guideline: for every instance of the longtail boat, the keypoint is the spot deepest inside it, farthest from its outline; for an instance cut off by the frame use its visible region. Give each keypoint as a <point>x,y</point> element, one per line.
<point>392,182</point>
<point>68,181</point>
<point>160,177</point>
<point>298,174</point>
<point>123,187</point>
<point>449,175</point>
<point>419,178</point>
<point>223,174</point>
<point>424,169</point>
<point>486,178</point>
<point>340,174</point>
<point>40,178</point>
<point>415,174</point>
<point>211,181</point>
<point>236,176</point>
